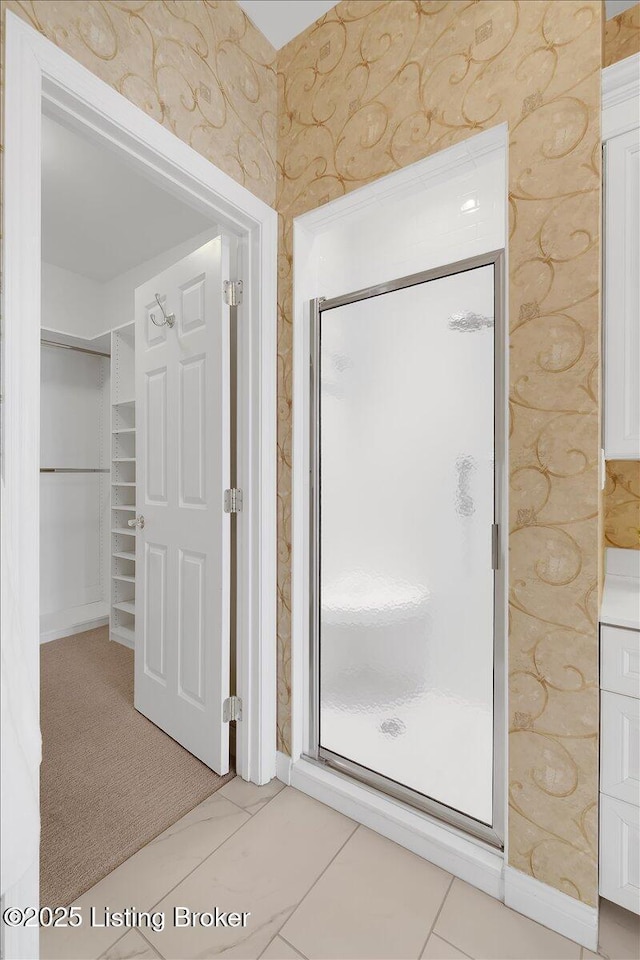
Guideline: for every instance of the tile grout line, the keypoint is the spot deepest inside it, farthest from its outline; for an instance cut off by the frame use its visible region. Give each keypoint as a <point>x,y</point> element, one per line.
<point>268,945</point>
<point>126,934</point>
<point>315,882</point>
<point>250,817</point>
<point>245,809</point>
<point>277,933</point>
<point>435,919</point>
<point>444,940</point>
<point>288,942</point>
<point>149,944</point>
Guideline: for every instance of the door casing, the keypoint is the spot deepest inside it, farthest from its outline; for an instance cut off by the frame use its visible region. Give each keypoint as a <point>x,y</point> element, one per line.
<point>39,77</point>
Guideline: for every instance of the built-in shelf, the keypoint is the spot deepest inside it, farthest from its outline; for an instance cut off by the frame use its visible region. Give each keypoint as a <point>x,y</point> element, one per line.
<point>123,478</point>
<point>127,606</point>
<point>124,633</point>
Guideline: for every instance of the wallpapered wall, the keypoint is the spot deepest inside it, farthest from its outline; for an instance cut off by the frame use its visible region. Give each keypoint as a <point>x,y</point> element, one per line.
<point>622,36</point>
<point>374,86</point>
<point>200,68</point>
<point>621,500</point>
<point>622,504</point>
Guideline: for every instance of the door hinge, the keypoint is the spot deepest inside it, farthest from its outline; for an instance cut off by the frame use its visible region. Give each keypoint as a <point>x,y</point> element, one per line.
<point>233,500</point>
<point>233,292</point>
<point>495,546</point>
<point>232,710</point>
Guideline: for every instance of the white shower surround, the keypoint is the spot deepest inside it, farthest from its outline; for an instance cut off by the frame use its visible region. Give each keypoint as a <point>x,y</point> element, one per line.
<point>407,222</point>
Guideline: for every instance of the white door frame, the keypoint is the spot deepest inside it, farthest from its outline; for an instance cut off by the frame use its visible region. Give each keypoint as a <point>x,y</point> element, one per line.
<point>41,76</point>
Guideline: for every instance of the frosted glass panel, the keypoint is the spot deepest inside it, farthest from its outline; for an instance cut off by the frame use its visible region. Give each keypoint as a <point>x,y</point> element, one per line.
<point>406,508</point>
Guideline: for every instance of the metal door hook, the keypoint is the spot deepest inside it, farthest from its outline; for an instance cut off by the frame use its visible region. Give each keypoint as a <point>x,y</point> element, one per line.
<point>167,318</point>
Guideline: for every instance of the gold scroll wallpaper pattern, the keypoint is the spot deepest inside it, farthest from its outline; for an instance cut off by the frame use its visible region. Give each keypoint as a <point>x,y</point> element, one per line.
<point>199,67</point>
<point>622,36</point>
<point>621,499</point>
<point>370,88</point>
<point>622,504</point>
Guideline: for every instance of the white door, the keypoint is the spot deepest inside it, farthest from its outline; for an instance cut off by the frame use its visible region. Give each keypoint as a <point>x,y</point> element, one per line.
<point>182,551</point>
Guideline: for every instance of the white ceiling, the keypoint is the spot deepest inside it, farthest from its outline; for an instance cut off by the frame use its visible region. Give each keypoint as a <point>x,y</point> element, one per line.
<point>100,217</point>
<point>614,7</point>
<point>282,20</point>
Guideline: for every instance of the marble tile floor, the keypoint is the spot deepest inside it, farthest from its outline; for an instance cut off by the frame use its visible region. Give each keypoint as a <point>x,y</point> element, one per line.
<point>317,886</point>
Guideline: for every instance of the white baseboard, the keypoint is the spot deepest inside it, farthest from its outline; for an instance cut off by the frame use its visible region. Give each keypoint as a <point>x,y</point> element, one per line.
<point>76,626</point>
<point>22,943</point>
<point>123,641</point>
<point>551,907</point>
<point>283,767</point>
<point>464,857</point>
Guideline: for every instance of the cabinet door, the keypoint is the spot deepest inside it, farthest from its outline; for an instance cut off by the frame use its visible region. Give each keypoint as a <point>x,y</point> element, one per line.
<point>620,660</point>
<point>620,747</point>
<point>622,300</point>
<point>619,853</point>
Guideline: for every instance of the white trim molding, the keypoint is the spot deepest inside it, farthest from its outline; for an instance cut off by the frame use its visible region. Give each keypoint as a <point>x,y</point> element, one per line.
<point>283,767</point>
<point>41,77</point>
<point>620,97</point>
<point>621,150</point>
<point>553,908</point>
<point>82,627</point>
<point>464,857</point>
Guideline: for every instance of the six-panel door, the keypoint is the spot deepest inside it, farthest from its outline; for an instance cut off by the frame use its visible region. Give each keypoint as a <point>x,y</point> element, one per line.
<point>182,593</point>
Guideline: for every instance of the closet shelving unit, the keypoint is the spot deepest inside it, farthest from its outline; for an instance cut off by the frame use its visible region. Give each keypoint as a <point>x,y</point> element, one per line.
<point>123,485</point>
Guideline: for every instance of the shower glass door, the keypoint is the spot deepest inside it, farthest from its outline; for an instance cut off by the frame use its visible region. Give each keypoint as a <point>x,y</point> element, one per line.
<point>405,551</point>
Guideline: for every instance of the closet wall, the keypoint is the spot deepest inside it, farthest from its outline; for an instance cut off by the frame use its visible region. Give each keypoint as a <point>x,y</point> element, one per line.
<point>88,421</point>
<point>74,507</point>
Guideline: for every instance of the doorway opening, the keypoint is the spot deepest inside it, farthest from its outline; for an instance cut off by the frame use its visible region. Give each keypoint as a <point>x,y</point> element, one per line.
<point>135,549</point>
<point>43,84</point>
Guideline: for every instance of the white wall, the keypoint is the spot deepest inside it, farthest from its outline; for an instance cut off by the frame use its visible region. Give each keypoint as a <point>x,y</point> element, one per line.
<point>458,213</point>
<point>74,508</point>
<point>75,432</point>
<point>71,303</point>
<point>118,294</point>
<point>75,305</point>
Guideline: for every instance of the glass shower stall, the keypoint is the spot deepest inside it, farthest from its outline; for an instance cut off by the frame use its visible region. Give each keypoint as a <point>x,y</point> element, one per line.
<point>406,612</point>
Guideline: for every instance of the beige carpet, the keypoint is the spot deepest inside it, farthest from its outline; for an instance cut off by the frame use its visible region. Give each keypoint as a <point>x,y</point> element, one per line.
<point>111,780</point>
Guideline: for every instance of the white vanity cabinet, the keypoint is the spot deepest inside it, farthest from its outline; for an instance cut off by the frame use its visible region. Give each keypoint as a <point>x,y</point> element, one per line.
<point>620,730</point>
<point>621,142</point>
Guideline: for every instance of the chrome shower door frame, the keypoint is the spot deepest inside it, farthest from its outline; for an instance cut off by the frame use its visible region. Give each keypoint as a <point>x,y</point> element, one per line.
<point>494,834</point>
